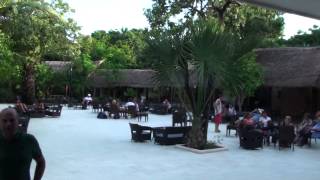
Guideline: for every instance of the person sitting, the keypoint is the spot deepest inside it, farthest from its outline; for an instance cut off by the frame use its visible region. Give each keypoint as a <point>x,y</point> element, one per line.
<point>248,132</point>
<point>264,121</point>
<point>167,105</point>
<point>247,120</point>
<point>87,100</point>
<point>132,108</point>
<point>22,108</point>
<point>114,109</point>
<point>129,103</point>
<point>304,130</point>
<point>136,104</point>
<point>315,130</point>
<point>39,106</point>
<point>256,114</point>
<point>285,123</point>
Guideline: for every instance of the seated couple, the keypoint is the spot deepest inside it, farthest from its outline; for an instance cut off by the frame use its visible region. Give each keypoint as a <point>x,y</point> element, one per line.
<point>308,126</point>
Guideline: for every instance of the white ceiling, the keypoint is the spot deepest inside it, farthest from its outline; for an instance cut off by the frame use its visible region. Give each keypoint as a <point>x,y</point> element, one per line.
<point>309,8</point>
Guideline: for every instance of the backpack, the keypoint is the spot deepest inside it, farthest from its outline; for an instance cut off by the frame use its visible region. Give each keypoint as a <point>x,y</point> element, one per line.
<point>102,115</point>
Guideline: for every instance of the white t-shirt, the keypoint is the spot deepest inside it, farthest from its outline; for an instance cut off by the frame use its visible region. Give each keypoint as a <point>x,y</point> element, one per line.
<point>218,106</point>
<point>88,98</point>
<point>264,120</point>
<point>130,104</point>
<point>232,111</point>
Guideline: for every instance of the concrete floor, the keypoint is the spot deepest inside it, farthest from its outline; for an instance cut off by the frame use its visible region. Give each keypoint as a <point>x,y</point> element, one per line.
<point>78,146</point>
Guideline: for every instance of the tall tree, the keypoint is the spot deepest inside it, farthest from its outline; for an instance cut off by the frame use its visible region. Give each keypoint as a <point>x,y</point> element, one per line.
<point>252,27</point>
<point>194,64</point>
<point>176,15</point>
<point>34,28</point>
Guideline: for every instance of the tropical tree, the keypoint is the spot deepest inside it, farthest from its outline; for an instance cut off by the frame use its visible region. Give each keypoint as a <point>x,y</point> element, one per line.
<point>252,27</point>
<point>195,64</point>
<point>249,78</point>
<point>10,71</point>
<point>36,27</point>
<point>176,15</point>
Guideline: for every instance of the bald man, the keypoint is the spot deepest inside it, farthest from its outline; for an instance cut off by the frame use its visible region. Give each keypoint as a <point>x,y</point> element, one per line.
<point>17,150</point>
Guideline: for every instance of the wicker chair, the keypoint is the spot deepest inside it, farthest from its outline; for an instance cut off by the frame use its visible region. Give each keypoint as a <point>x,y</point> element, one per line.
<point>286,137</point>
<point>170,135</point>
<point>179,117</point>
<point>54,111</point>
<point>250,138</point>
<point>140,133</point>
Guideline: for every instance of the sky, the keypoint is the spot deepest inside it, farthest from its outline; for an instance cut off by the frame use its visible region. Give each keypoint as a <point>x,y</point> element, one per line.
<point>116,14</point>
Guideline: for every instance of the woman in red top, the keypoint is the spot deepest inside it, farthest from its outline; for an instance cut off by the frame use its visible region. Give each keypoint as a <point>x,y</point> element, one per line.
<point>247,121</point>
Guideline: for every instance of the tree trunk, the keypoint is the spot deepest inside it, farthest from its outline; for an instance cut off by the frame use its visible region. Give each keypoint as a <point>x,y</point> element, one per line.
<point>197,137</point>
<point>29,84</point>
<point>240,101</point>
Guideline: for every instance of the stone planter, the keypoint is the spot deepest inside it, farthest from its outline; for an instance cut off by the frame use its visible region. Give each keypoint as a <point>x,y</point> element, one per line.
<point>205,151</point>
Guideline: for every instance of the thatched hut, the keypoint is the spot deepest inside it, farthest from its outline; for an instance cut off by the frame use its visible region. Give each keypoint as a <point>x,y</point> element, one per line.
<point>291,80</point>
<point>116,83</point>
<point>59,65</point>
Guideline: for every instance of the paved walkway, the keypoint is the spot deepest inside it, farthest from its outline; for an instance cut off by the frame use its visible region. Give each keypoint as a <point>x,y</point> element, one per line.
<point>78,146</point>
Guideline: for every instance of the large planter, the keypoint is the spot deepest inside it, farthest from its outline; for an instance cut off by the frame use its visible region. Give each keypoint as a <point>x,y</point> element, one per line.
<point>205,151</point>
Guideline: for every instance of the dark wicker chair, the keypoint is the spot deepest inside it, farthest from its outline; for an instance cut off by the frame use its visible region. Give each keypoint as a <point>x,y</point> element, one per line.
<point>140,133</point>
<point>286,137</point>
<point>54,111</point>
<point>231,126</point>
<point>96,106</point>
<point>250,138</point>
<point>158,109</point>
<point>170,135</point>
<point>179,117</point>
<point>37,114</point>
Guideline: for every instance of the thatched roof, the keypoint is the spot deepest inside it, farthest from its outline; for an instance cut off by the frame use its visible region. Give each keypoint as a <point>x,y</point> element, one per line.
<point>136,78</point>
<point>58,65</point>
<point>290,67</point>
<point>65,65</point>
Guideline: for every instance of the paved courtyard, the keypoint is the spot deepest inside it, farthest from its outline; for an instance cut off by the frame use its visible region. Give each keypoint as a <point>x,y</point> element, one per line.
<point>78,146</point>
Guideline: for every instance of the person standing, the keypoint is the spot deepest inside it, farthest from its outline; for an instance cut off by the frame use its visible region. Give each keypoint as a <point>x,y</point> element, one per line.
<point>17,150</point>
<point>218,111</point>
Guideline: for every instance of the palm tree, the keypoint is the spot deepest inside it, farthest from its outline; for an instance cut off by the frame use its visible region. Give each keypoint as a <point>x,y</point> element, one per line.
<point>195,63</point>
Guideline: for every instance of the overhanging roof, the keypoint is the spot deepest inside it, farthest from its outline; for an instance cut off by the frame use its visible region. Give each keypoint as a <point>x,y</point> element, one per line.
<point>309,8</point>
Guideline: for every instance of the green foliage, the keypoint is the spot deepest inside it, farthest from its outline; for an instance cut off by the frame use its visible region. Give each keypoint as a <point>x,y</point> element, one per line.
<point>240,19</point>
<point>36,30</point>
<point>131,93</point>
<point>10,71</point>
<point>118,49</point>
<point>82,67</point>
<point>304,39</point>
<point>44,78</point>
<point>195,64</point>
<point>249,77</point>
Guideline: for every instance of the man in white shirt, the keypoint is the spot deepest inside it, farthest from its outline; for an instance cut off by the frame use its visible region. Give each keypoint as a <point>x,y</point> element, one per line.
<point>129,103</point>
<point>264,119</point>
